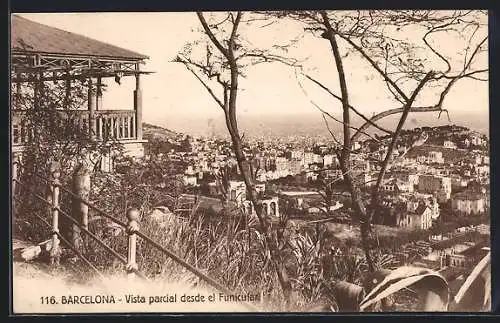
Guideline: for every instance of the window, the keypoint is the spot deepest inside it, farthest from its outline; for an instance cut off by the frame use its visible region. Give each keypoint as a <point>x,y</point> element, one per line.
<point>273,208</point>
<point>15,135</point>
<point>265,209</point>
<point>250,208</point>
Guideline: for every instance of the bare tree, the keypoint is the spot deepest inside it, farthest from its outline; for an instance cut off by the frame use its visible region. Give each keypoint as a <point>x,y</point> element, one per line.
<point>222,63</point>
<point>407,69</point>
<point>412,74</point>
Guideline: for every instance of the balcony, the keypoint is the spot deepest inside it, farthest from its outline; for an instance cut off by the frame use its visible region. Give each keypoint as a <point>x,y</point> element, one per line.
<point>120,125</point>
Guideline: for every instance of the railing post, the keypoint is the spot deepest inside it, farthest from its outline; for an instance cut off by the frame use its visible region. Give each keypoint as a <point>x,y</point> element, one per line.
<point>55,249</point>
<point>132,228</point>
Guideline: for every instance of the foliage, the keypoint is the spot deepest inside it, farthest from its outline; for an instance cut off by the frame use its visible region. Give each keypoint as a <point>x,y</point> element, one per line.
<point>53,125</point>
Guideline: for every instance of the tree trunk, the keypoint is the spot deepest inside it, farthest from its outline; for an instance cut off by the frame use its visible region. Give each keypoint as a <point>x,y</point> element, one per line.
<point>345,157</point>
<point>79,210</point>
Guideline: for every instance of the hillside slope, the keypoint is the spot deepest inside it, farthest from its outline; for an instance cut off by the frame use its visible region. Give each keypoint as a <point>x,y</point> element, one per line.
<point>151,131</point>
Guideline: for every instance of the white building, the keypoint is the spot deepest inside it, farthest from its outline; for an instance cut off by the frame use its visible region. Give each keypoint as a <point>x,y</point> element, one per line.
<point>420,218</point>
<point>237,192</point>
<point>468,203</point>
<point>435,157</point>
<point>270,207</point>
<point>190,179</point>
<point>328,160</point>
<point>356,145</point>
<point>477,140</point>
<point>308,158</point>
<point>449,144</point>
<point>483,170</point>
<point>296,154</point>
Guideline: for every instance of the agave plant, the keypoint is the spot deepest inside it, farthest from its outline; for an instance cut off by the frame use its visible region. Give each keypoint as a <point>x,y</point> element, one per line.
<point>430,286</point>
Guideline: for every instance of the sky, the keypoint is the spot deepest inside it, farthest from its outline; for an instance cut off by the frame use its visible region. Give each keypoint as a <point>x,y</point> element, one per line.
<point>172,92</point>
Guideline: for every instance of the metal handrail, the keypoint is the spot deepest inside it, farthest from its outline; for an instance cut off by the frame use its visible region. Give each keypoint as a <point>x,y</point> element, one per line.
<point>79,199</point>
<point>79,254</point>
<point>93,236</point>
<point>197,272</point>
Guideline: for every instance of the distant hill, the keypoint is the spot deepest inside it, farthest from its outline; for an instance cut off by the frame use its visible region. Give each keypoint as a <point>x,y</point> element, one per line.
<point>150,131</point>
<point>437,135</point>
<point>163,140</point>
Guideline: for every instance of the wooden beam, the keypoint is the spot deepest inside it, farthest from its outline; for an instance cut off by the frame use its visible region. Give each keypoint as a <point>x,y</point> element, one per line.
<point>138,104</point>
<point>24,79</point>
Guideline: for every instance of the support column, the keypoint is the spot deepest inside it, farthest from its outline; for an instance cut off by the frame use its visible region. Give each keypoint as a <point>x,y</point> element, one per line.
<point>138,103</point>
<point>67,93</point>
<point>92,109</point>
<point>99,94</point>
<point>37,89</point>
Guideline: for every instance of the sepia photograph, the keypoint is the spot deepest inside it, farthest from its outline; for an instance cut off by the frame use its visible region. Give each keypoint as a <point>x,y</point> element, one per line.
<point>250,162</point>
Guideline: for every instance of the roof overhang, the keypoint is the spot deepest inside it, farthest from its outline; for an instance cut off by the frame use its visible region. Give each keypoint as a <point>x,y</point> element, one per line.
<point>30,66</point>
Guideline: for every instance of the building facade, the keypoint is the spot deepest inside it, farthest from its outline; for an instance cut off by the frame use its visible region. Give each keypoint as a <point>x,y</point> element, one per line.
<point>469,203</point>
<point>43,55</point>
<point>435,184</point>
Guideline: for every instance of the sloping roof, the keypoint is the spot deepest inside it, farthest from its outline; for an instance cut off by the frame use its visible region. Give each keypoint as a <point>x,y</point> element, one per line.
<point>468,196</point>
<point>421,209</point>
<point>34,37</point>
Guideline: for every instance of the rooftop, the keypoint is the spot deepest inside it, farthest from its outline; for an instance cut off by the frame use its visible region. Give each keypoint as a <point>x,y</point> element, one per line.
<point>33,37</point>
<point>468,195</point>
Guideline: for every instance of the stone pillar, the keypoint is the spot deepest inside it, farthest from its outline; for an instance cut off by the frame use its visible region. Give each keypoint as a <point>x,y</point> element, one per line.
<point>138,103</point>
<point>92,109</point>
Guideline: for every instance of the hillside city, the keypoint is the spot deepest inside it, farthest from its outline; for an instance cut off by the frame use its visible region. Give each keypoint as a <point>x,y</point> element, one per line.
<point>436,193</point>
<point>261,203</point>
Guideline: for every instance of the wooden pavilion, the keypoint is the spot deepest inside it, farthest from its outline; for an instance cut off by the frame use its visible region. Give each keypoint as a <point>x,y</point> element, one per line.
<point>41,53</point>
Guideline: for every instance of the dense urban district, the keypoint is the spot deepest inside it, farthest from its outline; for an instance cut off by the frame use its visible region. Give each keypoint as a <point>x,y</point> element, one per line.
<point>435,210</point>
<point>303,221</point>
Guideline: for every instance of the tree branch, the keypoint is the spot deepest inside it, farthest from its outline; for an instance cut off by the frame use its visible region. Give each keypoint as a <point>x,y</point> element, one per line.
<point>207,87</point>
<point>343,88</point>
<point>324,112</point>
<point>375,66</point>
<point>385,163</point>
<point>211,35</point>
<point>350,106</point>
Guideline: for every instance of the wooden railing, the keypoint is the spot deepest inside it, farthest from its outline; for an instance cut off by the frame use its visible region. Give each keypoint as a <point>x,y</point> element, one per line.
<point>117,124</point>
<point>108,125</point>
<point>132,228</point>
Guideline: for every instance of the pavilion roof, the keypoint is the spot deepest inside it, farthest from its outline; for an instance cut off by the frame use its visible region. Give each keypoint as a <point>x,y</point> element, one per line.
<point>33,37</point>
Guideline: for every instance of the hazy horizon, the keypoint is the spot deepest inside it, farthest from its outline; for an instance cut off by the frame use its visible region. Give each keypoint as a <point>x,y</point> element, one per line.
<point>311,123</point>
<point>172,96</point>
